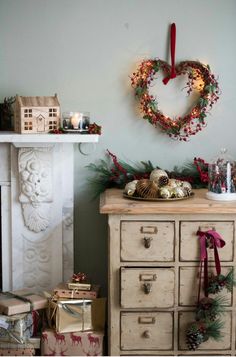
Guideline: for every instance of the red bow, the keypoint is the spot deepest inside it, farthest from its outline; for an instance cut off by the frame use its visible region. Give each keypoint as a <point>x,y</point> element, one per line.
<point>79,277</point>
<point>212,240</point>
<point>172,52</point>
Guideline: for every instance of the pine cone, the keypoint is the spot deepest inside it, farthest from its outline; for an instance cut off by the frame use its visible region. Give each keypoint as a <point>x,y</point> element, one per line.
<point>206,309</point>
<point>163,181</point>
<point>215,286</point>
<point>194,337</point>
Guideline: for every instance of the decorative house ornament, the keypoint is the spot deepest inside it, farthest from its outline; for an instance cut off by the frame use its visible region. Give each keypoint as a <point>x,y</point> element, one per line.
<point>36,114</point>
<point>222,178</point>
<point>35,175</point>
<point>200,79</point>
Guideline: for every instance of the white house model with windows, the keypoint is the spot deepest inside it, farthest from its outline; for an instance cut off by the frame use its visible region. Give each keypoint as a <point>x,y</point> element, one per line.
<point>36,114</point>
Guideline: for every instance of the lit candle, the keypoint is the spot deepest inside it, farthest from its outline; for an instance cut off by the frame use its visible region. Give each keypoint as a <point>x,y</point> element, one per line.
<point>75,120</point>
<point>228,177</point>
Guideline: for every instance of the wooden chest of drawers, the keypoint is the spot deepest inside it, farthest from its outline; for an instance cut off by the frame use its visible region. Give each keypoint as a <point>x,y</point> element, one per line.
<point>153,273</point>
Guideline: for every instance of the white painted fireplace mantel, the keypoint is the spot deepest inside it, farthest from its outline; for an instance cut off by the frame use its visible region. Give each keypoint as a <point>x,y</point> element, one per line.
<point>37,205</point>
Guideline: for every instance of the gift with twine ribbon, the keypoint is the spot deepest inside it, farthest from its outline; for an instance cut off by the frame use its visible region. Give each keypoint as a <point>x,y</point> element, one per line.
<point>62,291</point>
<point>21,301</point>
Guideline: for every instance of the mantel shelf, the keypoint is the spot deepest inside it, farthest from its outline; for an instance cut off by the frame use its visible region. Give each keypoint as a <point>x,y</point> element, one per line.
<point>14,138</point>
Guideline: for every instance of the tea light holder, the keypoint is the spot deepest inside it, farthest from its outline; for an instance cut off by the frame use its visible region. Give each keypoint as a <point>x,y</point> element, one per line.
<point>76,121</point>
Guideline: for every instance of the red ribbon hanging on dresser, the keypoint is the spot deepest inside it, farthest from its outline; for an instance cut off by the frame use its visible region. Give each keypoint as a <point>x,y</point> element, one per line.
<point>208,240</point>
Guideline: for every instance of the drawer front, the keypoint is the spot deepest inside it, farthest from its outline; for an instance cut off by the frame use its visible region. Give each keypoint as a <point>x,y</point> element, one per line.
<point>186,318</point>
<point>189,280</point>
<point>147,241</point>
<point>146,331</point>
<point>189,242</point>
<point>147,288</point>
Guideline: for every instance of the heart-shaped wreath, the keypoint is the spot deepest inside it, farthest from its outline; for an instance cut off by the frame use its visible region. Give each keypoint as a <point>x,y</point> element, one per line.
<point>200,78</point>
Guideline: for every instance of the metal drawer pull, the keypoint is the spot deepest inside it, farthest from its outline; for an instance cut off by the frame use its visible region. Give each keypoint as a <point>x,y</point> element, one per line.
<point>147,277</point>
<point>148,230</point>
<point>147,334</point>
<point>147,288</point>
<point>147,242</point>
<point>204,228</point>
<point>146,320</point>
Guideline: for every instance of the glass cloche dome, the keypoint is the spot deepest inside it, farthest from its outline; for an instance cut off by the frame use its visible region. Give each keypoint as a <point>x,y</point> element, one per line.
<point>222,178</point>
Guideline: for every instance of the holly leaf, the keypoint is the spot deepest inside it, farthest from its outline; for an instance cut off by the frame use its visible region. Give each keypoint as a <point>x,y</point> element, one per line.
<point>203,102</point>
<point>201,117</point>
<point>156,66</point>
<point>152,106</point>
<point>210,88</point>
<point>139,91</point>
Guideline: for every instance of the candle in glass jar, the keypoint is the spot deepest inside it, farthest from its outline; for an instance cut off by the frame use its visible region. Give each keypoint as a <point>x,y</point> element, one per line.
<point>75,119</point>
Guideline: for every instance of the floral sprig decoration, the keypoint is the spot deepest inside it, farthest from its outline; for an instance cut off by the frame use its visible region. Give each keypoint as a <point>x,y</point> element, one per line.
<point>200,79</point>
<point>95,129</point>
<point>57,131</point>
<point>202,168</point>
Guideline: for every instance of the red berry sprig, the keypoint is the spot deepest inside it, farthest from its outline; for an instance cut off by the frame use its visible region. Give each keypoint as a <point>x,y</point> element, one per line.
<point>95,129</point>
<point>202,168</point>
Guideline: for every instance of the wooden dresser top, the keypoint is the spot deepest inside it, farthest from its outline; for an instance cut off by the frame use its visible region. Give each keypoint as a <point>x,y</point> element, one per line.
<point>113,202</point>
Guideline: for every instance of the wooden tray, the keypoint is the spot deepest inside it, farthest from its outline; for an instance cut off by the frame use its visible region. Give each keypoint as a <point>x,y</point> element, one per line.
<point>158,198</point>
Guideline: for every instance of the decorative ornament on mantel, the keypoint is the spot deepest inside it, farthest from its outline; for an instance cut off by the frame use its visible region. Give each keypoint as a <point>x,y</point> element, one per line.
<point>35,175</point>
<point>222,178</point>
<point>200,79</point>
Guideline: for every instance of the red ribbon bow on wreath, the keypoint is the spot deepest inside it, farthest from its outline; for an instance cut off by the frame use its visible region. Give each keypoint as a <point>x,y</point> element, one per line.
<point>172,53</point>
<point>212,240</point>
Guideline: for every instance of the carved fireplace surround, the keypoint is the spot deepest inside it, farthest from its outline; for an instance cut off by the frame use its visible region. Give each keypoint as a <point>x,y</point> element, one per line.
<point>36,181</point>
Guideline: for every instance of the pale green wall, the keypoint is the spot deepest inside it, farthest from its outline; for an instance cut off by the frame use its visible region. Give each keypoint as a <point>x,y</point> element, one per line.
<point>85,51</point>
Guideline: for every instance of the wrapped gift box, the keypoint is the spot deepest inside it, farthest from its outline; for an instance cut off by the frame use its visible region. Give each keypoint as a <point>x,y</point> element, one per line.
<point>86,343</point>
<point>13,349</point>
<point>17,328</point>
<point>34,342</point>
<point>79,286</point>
<point>20,301</point>
<point>77,315</point>
<point>62,291</point>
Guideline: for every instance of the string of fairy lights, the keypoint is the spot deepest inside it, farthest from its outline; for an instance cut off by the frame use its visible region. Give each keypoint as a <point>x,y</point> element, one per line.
<point>199,78</point>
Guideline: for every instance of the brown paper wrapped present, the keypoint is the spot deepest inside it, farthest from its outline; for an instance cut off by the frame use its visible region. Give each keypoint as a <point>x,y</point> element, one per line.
<point>86,343</point>
<point>62,291</point>
<point>16,349</point>
<point>20,301</point>
<point>77,315</point>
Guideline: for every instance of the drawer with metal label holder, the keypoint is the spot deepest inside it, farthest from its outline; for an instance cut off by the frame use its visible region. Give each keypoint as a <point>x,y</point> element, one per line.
<point>147,287</point>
